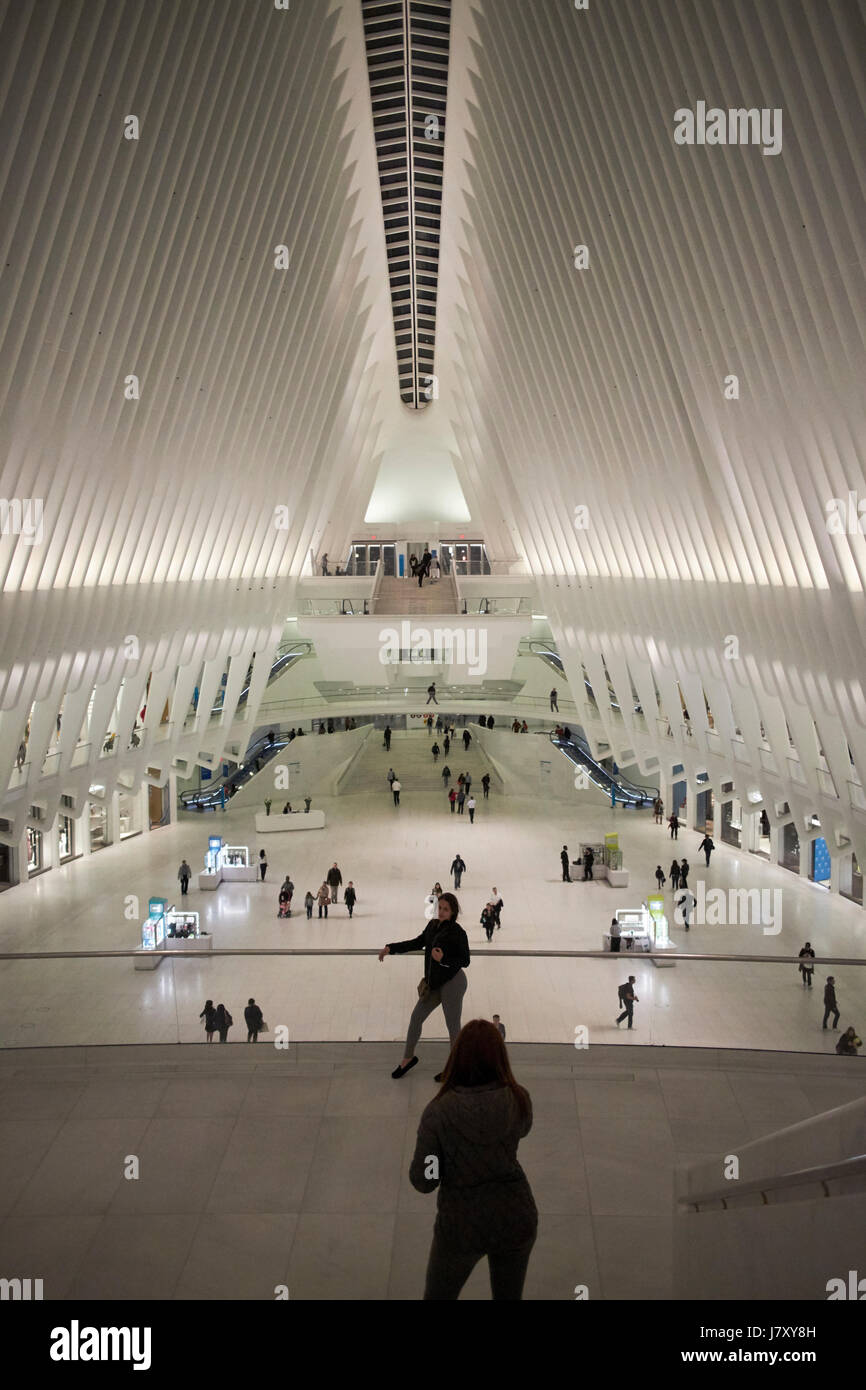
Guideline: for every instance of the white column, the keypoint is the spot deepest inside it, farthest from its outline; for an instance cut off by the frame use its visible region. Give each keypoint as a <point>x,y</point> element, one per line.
<point>112,819</point>
<point>19,867</point>
<point>172,797</point>
<point>144,807</point>
<point>805,857</point>
<point>836,873</point>
<point>775,844</point>
<point>82,831</point>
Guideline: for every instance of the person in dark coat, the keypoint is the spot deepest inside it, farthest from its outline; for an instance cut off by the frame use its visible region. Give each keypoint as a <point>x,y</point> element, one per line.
<point>566,875</point>
<point>673,822</point>
<point>807,964</point>
<point>485,783</point>
<point>334,878</point>
<point>208,1013</point>
<point>660,877</point>
<point>848,1043</point>
<point>388,738</point>
<point>707,845</point>
<point>223,1021</point>
<point>467,739</point>
<point>675,875</point>
<point>435,750</point>
<point>254,1018</point>
<point>446,955</point>
<point>588,861</point>
<point>488,920</point>
<point>458,869</point>
<point>467,1148</point>
<point>830,1005</point>
<point>684,873</point>
<point>350,897</point>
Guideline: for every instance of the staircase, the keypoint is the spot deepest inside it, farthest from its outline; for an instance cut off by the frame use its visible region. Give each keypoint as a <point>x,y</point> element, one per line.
<point>403,596</point>
<point>412,761</point>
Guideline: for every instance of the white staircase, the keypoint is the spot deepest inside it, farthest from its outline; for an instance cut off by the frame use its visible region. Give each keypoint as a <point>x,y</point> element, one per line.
<point>412,761</point>
<point>403,596</point>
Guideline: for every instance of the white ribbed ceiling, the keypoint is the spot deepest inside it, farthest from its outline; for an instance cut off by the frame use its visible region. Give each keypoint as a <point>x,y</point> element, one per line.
<point>559,387</point>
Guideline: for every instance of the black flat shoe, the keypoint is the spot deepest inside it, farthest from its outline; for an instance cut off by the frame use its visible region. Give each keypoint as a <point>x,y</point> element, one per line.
<point>401,1071</point>
<point>439,1076</point>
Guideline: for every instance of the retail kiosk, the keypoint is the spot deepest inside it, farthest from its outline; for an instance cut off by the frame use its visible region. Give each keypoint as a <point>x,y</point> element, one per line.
<point>168,928</point>
<point>642,929</point>
<point>607,863</point>
<point>234,864</point>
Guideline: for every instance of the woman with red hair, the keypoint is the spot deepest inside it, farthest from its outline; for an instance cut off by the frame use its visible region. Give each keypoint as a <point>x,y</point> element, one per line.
<point>467,1148</point>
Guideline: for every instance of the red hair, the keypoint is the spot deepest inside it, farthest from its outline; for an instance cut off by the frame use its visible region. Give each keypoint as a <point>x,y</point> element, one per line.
<point>479,1057</point>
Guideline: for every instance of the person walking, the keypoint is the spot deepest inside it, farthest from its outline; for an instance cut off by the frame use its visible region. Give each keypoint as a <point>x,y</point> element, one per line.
<point>470,806</point>
<point>615,934</point>
<point>268,804</point>
<point>675,875</point>
<point>388,738</point>
<point>485,1206</point>
<point>461,798</point>
<point>184,873</point>
<point>684,873</point>
<point>446,745</point>
<point>685,902</point>
<point>660,877</point>
<point>458,869</point>
<point>500,1025</point>
<point>396,789</point>
<point>208,1013</point>
<point>707,846</point>
<point>588,861</point>
<point>350,897</point>
<point>452,797</point>
<point>488,920</point>
<point>461,782</point>
<point>446,956</point>
<point>566,875</point>
<point>807,964</point>
<point>439,724</point>
<point>392,777</point>
<point>674,824</point>
<point>446,775</point>
<point>323,898</point>
<point>223,1021</point>
<point>309,901</point>
<point>830,1005</point>
<point>485,783</point>
<point>431,691</point>
<point>435,750</point>
<point>468,782</point>
<point>498,905</point>
<point>628,999</point>
<point>325,571</point>
<point>554,701</point>
<point>263,863</point>
<point>254,1018</point>
<point>660,811</point>
<point>467,739</point>
<point>334,878</point>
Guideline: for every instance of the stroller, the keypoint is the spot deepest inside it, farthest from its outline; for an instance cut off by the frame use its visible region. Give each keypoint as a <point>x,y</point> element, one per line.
<point>285,902</point>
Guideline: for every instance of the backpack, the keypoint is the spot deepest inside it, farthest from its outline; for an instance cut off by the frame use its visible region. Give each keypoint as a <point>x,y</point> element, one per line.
<point>623,992</point>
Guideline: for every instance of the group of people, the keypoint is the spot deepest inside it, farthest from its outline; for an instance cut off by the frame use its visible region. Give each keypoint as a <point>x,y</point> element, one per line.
<point>520,728</point>
<point>427,567</point>
<point>587,859</point>
<point>218,1020</point>
<point>329,893</point>
<point>848,1042</point>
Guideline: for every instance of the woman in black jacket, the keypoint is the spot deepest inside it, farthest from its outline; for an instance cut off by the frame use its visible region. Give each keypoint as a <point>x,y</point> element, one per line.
<point>208,1013</point>
<point>446,954</point>
<point>467,1147</point>
<point>223,1022</point>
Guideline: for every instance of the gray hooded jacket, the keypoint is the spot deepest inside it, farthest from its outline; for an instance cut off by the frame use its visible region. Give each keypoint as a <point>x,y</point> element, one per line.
<point>485,1201</point>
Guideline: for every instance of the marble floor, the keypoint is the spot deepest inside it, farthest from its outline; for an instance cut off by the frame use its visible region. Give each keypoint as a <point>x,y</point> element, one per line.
<point>259,1169</point>
<point>394,855</point>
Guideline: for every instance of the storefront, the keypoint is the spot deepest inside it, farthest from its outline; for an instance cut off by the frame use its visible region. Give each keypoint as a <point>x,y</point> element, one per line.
<point>34,850</point>
<point>732,819</point>
<point>98,825</point>
<point>129,810</point>
<point>705,808</point>
<point>790,849</point>
<point>851,879</point>
<point>65,839</point>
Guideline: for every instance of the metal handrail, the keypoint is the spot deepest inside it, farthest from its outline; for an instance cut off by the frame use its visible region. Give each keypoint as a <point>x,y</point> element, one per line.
<point>620,956</point>
<point>823,1173</point>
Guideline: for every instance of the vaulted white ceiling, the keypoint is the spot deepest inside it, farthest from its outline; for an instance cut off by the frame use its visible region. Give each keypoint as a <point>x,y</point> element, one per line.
<point>584,411</point>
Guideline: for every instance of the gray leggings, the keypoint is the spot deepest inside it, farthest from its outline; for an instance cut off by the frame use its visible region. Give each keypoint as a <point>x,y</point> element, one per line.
<point>450,996</point>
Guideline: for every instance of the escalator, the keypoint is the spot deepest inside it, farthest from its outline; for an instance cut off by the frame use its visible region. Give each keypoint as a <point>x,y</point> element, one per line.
<point>614,785</point>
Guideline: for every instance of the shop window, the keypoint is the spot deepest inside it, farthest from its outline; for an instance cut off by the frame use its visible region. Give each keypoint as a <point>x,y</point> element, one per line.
<point>790,848</point>
<point>34,850</point>
<point>65,838</point>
